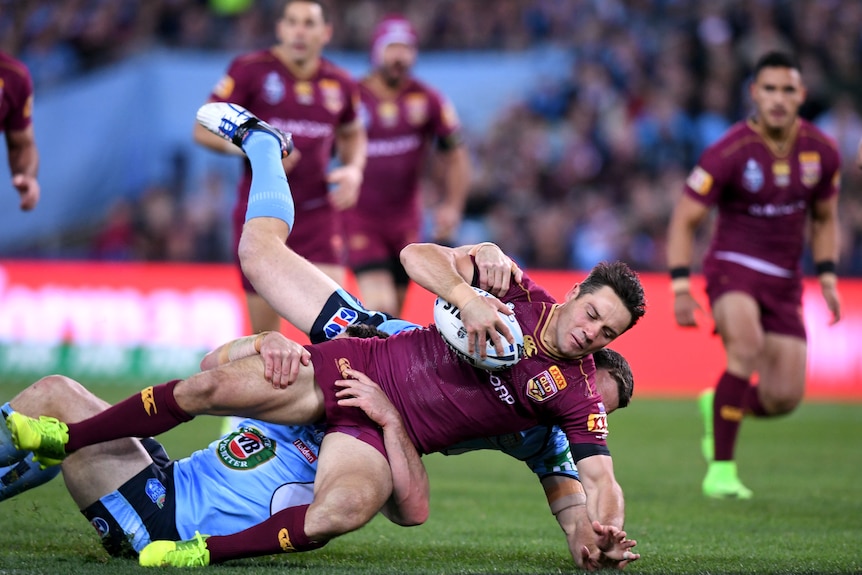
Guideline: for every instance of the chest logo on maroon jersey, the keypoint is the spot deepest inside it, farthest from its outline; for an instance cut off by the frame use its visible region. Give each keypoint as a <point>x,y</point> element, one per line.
<point>304,93</point>
<point>273,89</point>
<point>530,347</point>
<point>417,108</point>
<point>781,173</point>
<point>387,112</point>
<point>809,168</point>
<point>752,176</point>
<point>332,98</point>
<point>545,385</point>
<point>699,180</point>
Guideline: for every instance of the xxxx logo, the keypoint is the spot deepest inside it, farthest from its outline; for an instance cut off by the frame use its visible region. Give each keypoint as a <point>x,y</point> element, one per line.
<point>284,541</point>
<point>149,401</point>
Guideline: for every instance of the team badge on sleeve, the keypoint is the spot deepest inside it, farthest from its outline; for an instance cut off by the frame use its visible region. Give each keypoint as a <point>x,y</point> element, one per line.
<point>225,87</point>
<point>598,423</point>
<point>699,180</point>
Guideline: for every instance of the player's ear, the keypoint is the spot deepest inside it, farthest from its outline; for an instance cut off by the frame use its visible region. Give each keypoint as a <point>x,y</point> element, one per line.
<point>573,293</point>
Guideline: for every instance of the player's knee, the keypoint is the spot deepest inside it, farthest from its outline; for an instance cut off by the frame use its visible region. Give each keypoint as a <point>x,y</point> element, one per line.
<point>331,515</point>
<point>56,391</point>
<point>781,401</point>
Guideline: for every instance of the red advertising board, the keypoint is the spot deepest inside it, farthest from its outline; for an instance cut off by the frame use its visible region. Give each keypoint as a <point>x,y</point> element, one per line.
<point>201,306</point>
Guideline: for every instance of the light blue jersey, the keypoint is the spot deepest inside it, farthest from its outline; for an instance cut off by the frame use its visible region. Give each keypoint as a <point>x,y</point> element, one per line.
<point>244,477</point>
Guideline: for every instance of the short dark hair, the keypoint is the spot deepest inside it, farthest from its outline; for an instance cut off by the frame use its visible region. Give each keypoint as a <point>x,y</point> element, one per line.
<point>324,9</point>
<point>364,331</point>
<point>776,59</point>
<point>618,367</point>
<point>625,283</point>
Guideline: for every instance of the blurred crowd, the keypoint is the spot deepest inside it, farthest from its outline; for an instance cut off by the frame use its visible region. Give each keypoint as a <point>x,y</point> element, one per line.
<point>585,167</point>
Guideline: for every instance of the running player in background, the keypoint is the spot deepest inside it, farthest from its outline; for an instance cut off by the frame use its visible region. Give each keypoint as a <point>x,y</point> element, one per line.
<point>16,121</point>
<point>403,117</point>
<point>292,87</point>
<point>769,177</point>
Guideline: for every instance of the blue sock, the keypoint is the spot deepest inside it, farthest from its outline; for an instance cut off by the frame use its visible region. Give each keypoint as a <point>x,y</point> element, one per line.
<point>270,195</point>
<point>341,310</point>
<point>24,475</point>
<point>8,453</point>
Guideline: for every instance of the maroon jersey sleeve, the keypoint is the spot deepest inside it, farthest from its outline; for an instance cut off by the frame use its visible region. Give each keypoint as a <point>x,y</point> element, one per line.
<point>711,174</point>
<point>16,110</point>
<point>444,124</point>
<point>236,85</point>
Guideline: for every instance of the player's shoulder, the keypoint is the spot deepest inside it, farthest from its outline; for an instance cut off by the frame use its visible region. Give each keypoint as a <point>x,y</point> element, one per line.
<point>257,57</point>
<point>332,71</point>
<point>13,68</point>
<point>812,135</point>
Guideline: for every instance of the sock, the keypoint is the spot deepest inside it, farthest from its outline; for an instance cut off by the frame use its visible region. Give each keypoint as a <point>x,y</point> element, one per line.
<point>283,532</point>
<point>23,475</point>
<point>340,311</point>
<point>8,453</point>
<point>727,414</point>
<point>269,196</point>
<point>752,402</point>
<point>150,412</point>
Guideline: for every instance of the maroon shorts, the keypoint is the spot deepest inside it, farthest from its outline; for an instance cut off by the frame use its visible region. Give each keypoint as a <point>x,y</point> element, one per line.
<point>316,236</point>
<point>328,359</point>
<point>779,299</point>
<point>374,242</point>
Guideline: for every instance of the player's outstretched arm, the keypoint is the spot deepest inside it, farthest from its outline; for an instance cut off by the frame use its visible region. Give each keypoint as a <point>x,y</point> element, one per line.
<point>687,216</point>
<point>605,502</point>
<point>824,249</point>
<point>281,356</point>
<point>409,502</point>
<point>445,271</point>
<point>23,158</point>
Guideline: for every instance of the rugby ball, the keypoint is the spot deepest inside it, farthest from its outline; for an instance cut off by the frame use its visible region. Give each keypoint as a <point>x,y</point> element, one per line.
<point>447,318</point>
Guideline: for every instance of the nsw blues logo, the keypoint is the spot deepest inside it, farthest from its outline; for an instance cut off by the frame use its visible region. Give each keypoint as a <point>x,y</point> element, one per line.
<point>339,322</point>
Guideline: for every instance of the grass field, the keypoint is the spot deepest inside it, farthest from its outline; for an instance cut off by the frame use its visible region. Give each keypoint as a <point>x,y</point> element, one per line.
<point>488,513</point>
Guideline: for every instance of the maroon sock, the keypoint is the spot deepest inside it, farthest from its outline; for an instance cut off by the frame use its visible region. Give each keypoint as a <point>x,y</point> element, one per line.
<point>727,414</point>
<point>283,532</point>
<point>752,402</point>
<point>151,412</point>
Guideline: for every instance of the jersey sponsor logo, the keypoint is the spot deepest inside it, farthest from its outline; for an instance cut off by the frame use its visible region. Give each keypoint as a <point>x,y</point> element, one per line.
<point>149,401</point>
<point>502,390</point>
<point>545,385</point>
<point>699,180</point>
<point>809,168</point>
<point>752,176</point>
<point>273,89</point>
<point>304,93</point>
<point>598,423</point>
<point>339,321</point>
<point>530,347</point>
<point>416,105</point>
<point>333,100</point>
<point>776,210</point>
<point>225,87</point>
<point>284,541</point>
<point>343,365</point>
<point>245,448</point>
<point>156,492</point>
<point>101,526</point>
<point>304,128</point>
<point>387,112</point>
<point>781,173</point>
<point>393,146</point>
<point>305,450</point>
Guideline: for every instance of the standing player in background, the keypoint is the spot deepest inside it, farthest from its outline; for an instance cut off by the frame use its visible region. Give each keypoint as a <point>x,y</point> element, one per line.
<point>292,87</point>
<point>403,117</point>
<point>766,176</point>
<point>16,120</point>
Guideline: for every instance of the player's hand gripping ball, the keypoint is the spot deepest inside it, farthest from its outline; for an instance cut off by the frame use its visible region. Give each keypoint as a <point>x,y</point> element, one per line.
<point>447,317</point>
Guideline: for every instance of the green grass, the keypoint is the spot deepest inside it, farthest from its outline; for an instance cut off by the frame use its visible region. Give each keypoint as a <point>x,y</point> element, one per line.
<point>488,513</point>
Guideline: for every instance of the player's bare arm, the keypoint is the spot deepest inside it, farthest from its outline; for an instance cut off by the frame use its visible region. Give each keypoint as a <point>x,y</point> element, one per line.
<point>687,216</point>
<point>444,272</point>
<point>824,249</point>
<point>605,502</point>
<point>24,165</point>
<point>408,505</point>
<point>496,269</point>
<point>455,164</point>
<point>351,142</point>
<point>281,356</point>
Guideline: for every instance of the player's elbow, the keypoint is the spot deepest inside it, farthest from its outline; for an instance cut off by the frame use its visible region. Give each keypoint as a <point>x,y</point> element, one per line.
<point>413,517</point>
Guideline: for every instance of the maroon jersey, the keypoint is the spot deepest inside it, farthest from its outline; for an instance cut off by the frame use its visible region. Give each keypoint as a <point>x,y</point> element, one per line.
<point>764,196</point>
<point>399,132</point>
<point>16,88</point>
<point>443,400</point>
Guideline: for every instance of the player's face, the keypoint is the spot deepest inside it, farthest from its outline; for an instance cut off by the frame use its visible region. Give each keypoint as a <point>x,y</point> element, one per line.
<point>589,322</point>
<point>396,62</point>
<point>777,94</point>
<point>607,386</point>
<point>302,31</point>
